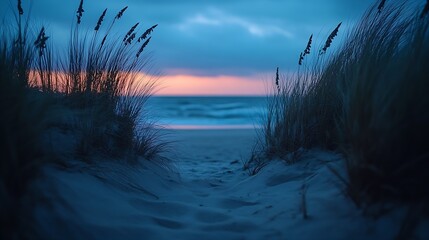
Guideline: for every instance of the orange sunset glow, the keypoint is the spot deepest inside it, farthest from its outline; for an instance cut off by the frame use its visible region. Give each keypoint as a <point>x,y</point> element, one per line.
<point>179,85</point>
<point>188,85</point>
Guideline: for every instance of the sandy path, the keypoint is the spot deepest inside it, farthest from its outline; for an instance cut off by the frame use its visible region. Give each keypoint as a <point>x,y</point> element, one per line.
<point>216,199</point>
<point>212,154</point>
<point>210,165</point>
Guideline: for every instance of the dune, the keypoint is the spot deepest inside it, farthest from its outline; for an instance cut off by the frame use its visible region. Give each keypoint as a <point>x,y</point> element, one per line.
<point>211,198</point>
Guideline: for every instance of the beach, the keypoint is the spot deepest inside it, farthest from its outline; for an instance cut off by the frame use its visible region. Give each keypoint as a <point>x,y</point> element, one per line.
<point>312,127</point>
<point>206,194</point>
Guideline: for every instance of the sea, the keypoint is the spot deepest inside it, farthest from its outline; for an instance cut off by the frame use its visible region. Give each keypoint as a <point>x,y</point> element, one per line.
<point>208,112</point>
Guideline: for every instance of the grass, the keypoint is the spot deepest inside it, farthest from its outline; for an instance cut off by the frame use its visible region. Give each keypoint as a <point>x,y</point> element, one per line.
<point>301,111</point>
<point>22,123</point>
<point>97,80</point>
<point>99,77</point>
<point>367,99</point>
<point>383,122</point>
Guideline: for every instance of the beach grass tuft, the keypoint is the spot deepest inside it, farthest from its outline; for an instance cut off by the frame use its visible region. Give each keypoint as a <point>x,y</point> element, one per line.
<point>98,81</point>
<point>384,116</point>
<point>24,119</point>
<point>367,100</point>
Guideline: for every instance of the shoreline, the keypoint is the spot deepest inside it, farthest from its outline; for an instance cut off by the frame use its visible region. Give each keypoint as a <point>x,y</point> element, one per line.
<point>210,127</point>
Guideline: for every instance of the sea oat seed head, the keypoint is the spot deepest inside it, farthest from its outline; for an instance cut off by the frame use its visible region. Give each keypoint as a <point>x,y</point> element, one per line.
<point>130,32</point>
<point>100,20</point>
<point>330,38</point>
<point>308,48</point>
<point>40,42</point>
<point>147,33</point>
<point>130,39</point>
<point>119,15</point>
<point>142,47</point>
<point>80,12</point>
<point>301,57</point>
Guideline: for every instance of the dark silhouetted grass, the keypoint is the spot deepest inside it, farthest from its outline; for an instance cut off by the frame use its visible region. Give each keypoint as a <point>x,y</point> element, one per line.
<point>23,121</point>
<point>101,79</point>
<point>369,100</point>
<point>385,106</point>
<point>98,81</point>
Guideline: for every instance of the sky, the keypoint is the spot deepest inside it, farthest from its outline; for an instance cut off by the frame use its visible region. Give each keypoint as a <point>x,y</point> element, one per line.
<point>211,47</point>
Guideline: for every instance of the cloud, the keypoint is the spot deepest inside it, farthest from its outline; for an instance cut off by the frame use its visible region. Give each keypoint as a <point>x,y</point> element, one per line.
<point>217,18</point>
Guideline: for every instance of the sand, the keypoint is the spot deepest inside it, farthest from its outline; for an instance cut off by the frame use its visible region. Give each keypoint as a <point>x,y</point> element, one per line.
<point>208,196</point>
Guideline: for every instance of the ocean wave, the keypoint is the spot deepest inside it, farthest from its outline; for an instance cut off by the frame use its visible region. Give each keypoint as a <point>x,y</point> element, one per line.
<point>208,111</point>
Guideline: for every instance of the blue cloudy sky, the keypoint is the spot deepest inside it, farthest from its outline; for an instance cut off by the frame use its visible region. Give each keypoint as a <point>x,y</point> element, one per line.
<point>211,37</point>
